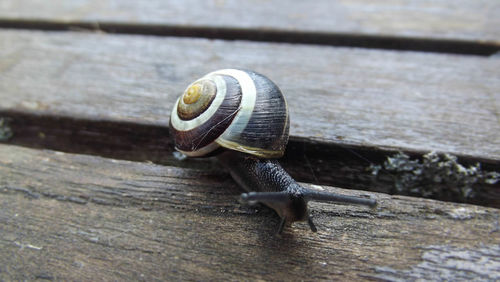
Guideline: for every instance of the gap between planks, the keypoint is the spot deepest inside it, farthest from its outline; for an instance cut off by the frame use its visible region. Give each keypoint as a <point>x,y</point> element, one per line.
<point>400,43</point>
<point>325,163</point>
<point>471,21</point>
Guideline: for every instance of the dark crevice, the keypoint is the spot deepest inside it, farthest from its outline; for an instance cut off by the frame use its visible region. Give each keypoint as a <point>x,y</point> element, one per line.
<point>450,46</point>
<point>306,160</point>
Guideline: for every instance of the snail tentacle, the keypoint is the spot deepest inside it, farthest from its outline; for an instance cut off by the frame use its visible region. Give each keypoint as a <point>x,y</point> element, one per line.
<point>333,197</point>
<point>311,224</point>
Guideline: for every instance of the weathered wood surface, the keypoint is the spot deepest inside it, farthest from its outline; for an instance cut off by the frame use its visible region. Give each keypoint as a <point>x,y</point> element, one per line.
<point>378,99</point>
<point>77,217</point>
<point>463,20</point>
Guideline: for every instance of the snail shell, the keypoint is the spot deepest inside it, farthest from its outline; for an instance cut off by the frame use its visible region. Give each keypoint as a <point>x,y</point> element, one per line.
<point>235,109</point>
<point>246,112</point>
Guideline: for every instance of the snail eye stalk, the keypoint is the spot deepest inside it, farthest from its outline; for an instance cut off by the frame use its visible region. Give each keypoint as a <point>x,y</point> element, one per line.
<point>333,197</point>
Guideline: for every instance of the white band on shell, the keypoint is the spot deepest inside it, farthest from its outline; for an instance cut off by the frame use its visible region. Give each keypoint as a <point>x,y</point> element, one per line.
<point>248,98</point>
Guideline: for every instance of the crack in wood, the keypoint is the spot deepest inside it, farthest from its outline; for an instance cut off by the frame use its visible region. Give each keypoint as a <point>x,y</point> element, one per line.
<point>452,46</point>
<point>306,160</point>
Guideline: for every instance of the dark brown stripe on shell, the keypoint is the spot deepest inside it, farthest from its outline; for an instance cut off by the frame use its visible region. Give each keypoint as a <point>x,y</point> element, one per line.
<point>206,133</point>
<point>268,127</point>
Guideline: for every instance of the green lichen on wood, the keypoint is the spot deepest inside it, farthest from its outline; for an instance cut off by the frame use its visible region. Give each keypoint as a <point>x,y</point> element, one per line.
<point>435,176</point>
<point>5,130</point>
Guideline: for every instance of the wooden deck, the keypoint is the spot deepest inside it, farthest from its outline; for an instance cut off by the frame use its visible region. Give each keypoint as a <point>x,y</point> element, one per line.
<point>89,188</point>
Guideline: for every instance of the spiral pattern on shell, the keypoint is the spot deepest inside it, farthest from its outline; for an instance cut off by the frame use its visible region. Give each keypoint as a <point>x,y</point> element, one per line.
<point>234,109</point>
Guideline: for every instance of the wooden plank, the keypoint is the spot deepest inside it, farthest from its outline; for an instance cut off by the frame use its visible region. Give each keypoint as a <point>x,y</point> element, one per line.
<point>377,99</point>
<point>77,217</point>
<point>456,20</point>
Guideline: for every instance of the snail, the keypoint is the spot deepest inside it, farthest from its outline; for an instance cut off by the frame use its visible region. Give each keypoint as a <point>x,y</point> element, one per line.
<point>241,117</point>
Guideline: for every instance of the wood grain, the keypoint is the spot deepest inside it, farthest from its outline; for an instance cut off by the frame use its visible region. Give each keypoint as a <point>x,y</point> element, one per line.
<point>378,99</point>
<point>462,20</point>
<point>77,217</point>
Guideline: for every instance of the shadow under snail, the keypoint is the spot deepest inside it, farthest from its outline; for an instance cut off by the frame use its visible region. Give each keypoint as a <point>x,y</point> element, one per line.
<point>242,118</point>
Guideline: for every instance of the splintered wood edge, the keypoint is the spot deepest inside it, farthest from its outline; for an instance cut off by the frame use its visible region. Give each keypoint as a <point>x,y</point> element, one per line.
<point>68,217</point>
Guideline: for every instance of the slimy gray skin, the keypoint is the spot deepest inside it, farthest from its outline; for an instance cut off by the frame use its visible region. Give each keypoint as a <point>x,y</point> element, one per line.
<point>268,183</point>
<point>242,117</point>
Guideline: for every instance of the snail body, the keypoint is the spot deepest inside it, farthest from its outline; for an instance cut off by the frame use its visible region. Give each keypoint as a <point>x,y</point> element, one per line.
<point>242,117</point>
